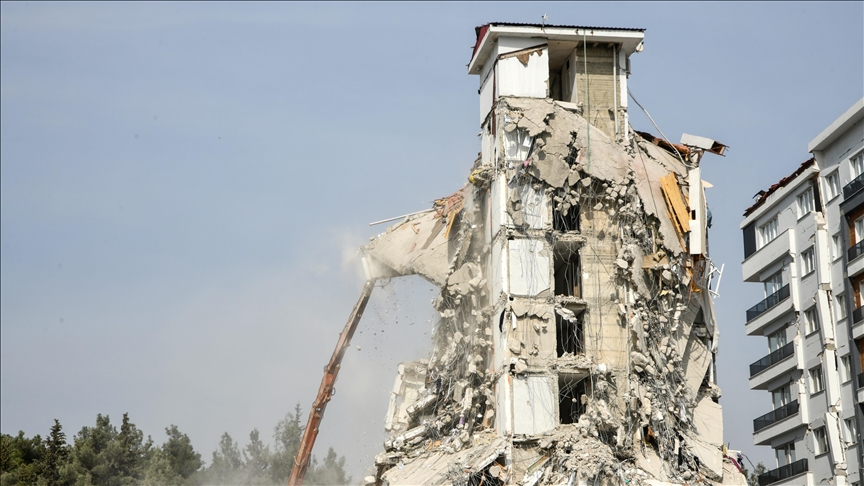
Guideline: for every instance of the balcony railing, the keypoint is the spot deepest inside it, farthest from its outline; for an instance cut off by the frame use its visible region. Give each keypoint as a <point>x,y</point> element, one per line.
<point>857,314</point>
<point>768,303</point>
<point>772,359</point>
<point>856,185</point>
<point>783,472</point>
<point>855,250</point>
<point>860,380</point>
<point>776,415</point>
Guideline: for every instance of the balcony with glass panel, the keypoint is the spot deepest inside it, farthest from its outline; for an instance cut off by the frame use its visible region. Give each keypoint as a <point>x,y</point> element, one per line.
<point>783,474</point>
<point>768,310</point>
<point>776,422</point>
<point>772,366</point>
<point>855,257</point>
<point>853,187</point>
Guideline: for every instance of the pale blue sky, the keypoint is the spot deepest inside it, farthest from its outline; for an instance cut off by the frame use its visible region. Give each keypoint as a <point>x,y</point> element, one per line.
<point>183,186</point>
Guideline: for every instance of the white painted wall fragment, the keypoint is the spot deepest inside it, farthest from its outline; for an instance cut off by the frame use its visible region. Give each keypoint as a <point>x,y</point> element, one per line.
<point>534,403</point>
<point>529,267</point>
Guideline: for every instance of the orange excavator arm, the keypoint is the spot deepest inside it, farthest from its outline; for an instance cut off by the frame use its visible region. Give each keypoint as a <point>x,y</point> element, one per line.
<point>325,391</point>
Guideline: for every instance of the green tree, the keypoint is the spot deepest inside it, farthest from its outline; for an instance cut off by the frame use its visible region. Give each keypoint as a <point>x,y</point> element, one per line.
<point>180,454</point>
<point>21,459</point>
<point>103,457</point>
<point>132,451</point>
<point>56,454</point>
<point>227,464</point>
<point>331,472</point>
<point>287,435</point>
<point>256,458</point>
<point>159,471</point>
<point>753,477</point>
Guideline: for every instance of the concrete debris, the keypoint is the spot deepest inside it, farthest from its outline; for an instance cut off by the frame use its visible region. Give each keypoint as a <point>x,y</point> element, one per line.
<point>577,334</point>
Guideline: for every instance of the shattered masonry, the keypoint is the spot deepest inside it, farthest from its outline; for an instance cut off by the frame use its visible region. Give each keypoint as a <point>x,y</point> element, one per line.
<point>577,335</point>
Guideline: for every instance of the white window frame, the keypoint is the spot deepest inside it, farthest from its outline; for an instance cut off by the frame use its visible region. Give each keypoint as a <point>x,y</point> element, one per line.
<point>811,321</point>
<point>816,382</point>
<point>808,261</point>
<point>805,203</point>
<point>858,229</point>
<point>840,305</point>
<point>836,249</point>
<point>777,340</point>
<point>850,430</point>
<point>832,185</point>
<point>768,232</point>
<point>820,441</point>
<point>845,368</point>
<point>781,396</point>
<point>773,283</point>
<point>856,164</point>
<point>785,454</point>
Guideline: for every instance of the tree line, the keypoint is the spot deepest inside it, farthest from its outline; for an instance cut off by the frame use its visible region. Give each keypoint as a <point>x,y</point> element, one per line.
<point>103,456</point>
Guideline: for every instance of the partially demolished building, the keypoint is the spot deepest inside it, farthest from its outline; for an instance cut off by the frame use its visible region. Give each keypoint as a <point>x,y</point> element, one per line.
<point>577,336</point>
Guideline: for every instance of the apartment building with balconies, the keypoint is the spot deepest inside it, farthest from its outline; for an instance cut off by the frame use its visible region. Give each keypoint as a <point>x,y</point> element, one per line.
<point>839,155</point>
<point>798,246</point>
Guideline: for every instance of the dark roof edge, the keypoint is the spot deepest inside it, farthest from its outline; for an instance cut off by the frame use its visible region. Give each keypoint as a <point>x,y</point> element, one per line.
<point>780,184</point>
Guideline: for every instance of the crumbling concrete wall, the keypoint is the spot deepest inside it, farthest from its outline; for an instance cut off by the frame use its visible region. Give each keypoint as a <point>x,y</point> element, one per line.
<point>577,331</point>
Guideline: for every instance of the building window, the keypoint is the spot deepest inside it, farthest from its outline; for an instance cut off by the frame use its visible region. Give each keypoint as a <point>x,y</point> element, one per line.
<point>857,163</point>
<point>858,227</point>
<point>808,261</point>
<point>805,203</point>
<point>777,340</point>
<point>768,232</point>
<point>836,251</point>
<point>785,454</point>
<point>845,368</point>
<point>850,430</point>
<point>820,441</point>
<point>840,302</point>
<point>781,397</point>
<point>832,185</point>
<point>773,284</point>
<point>570,404</point>
<point>811,321</point>
<point>816,385</point>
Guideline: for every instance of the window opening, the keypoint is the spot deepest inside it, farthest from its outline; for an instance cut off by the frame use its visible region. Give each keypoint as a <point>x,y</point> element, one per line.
<point>841,306</point>
<point>808,261</point>
<point>768,232</point>
<point>570,392</point>
<point>857,163</point>
<point>777,340</point>
<point>820,441</point>
<point>785,454</point>
<point>845,368</point>
<point>859,229</point>
<point>566,220</point>
<point>816,384</point>
<point>805,203</point>
<point>567,275</point>
<point>781,397</point>
<point>773,284</point>
<point>569,335</point>
<point>811,321</point>
<point>832,185</point>
<point>850,430</point>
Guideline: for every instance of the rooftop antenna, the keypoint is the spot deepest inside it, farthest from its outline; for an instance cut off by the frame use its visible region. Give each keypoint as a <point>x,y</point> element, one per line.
<point>544,17</point>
